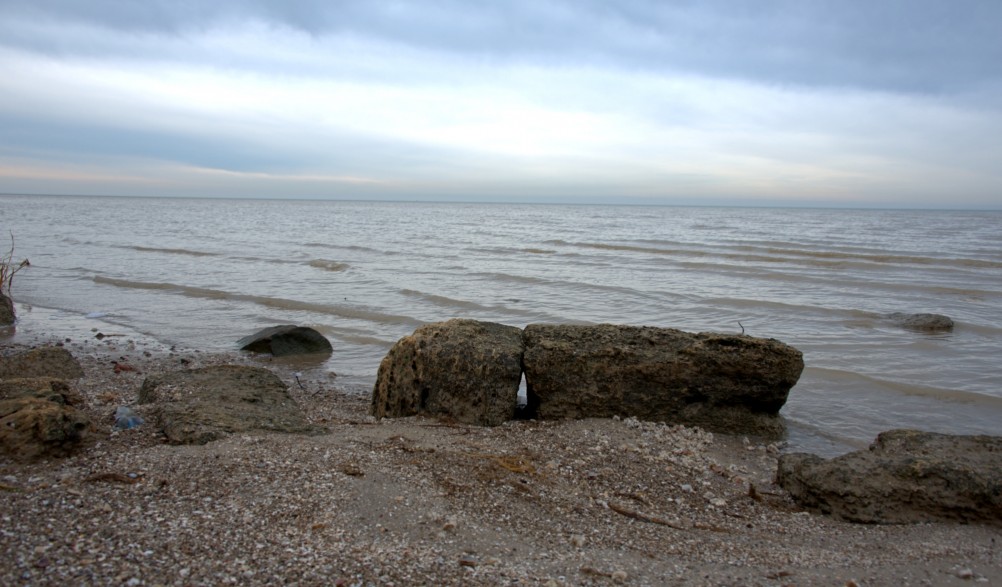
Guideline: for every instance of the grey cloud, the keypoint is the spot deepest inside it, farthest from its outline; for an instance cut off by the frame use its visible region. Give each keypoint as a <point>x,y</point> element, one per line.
<point>917,46</point>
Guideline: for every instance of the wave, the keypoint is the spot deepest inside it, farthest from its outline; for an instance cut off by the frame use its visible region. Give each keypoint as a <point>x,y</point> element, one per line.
<point>170,251</point>
<point>328,265</point>
<point>443,301</point>
<point>270,302</point>
<point>952,395</point>
<point>752,253</point>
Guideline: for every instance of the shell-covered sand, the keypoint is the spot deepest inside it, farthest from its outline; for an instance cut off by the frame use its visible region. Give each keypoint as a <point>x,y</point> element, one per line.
<point>417,501</point>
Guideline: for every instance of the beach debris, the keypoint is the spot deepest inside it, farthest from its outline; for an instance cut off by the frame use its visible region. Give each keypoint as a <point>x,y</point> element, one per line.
<point>126,418</point>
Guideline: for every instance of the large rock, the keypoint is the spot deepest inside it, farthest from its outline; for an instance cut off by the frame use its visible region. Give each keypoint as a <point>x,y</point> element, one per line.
<point>33,429</point>
<point>462,369</point>
<point>7,315</point>
<point>905,476</point>
<point>922,322</point>
<point>725,383</point>
<point>48,361</point>
<point>286,340</point>
<point>47,388</point>
<point>201,405</point>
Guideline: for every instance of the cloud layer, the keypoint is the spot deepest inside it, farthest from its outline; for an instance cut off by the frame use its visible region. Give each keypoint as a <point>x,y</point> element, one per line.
<point>816,102</point>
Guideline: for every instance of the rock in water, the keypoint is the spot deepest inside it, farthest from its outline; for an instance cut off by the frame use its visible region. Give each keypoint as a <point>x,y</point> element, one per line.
<point>32,428</point>
<point>922,322</point>
<point>286,340</point>
<point>48,361</point>
<point>7,316</point>
<point>906,476</point>
<point>201,405</point>
<point>463,369</point>
<point>725,383</point>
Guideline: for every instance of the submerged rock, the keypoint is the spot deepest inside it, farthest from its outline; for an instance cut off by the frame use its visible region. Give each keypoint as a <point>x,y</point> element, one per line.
<point>724,383</point>
<point>286,340</point>
<point>906,476</point>
<point>922,322</point>
<point>201,405</point>
<point>462,369</point>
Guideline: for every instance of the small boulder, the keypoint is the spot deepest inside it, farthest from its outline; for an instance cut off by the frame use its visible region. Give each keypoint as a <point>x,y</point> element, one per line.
<point>201,405</point>
<point>33,429</point>
<point>724,383</point>
<point>922,322</point>
<point>466,370</point>
<point>286,340</point>
<point>906,476</point>
<point>47,361</point>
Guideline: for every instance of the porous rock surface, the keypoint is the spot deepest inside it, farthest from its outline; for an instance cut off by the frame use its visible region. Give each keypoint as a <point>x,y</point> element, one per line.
<point>466,370</point>
<point>32,428</point>
<point>922,322</point>
<point>37,414</point>
<point>724,383</point>
<point>46,361</point>
<point>906,476</point>
<point>201,405</point>
<point>286,340</point>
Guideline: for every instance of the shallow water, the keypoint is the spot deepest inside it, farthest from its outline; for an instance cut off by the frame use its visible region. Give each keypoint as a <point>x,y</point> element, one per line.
<point>203,273</point>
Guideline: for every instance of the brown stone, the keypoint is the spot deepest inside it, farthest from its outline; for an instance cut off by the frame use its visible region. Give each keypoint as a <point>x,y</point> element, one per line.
<point>7,315</point>
<point>48,388</point>
<point>906,476</point>
<point>201,405</point>
<point>726,383</point>
<point>465,370</point>
<point>33,429</point>
<point>47,361</point>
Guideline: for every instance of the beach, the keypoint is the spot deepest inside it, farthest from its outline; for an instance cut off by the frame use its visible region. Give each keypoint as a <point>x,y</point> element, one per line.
<point>415,501</point>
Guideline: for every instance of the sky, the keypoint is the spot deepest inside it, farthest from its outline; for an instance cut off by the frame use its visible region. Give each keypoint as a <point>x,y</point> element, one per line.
<point>876,103</point>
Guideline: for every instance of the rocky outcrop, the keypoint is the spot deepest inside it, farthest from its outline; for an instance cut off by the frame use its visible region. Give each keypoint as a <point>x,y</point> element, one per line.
<point>37,414</point>
<point>7,315</point>
<point>286,340</point>
<point>461,369</point>
<point>33,429</point>
<point>905,476</point>
<point>726,383</point>
<point>47,388</point>
<point>48,361</point>
<point>922,322</point>
<point>201,405</point>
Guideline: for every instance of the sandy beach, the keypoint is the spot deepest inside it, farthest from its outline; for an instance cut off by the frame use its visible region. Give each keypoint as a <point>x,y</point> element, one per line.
<point>416,501</point>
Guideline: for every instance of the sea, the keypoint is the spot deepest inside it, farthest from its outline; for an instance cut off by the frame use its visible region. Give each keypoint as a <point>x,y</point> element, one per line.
<point>202,273</point>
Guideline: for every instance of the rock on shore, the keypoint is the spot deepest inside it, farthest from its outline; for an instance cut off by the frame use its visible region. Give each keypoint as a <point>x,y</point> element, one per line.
<point>724,383</point>
<point>201,405</point>
<point>905,476</point>
<point>6,310</point>
<point>466,370</point>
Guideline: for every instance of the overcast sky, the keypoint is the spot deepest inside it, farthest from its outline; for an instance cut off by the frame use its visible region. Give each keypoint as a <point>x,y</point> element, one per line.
<point>808,102</point>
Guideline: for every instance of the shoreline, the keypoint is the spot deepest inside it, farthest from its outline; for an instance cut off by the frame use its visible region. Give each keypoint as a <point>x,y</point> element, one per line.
<point>418,501</point>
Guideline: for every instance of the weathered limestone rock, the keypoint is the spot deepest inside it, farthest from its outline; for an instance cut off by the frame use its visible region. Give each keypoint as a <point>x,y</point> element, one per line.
<point>201,405</point>
<point>48,361</point>
<point>922,322</point>
<point>463,369</point>
<point>724,383</point>
<point>47,388</point>
<point>7,315</point>
<point>906,476</point>
<point>286,340</point>
<point>33,429</point>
